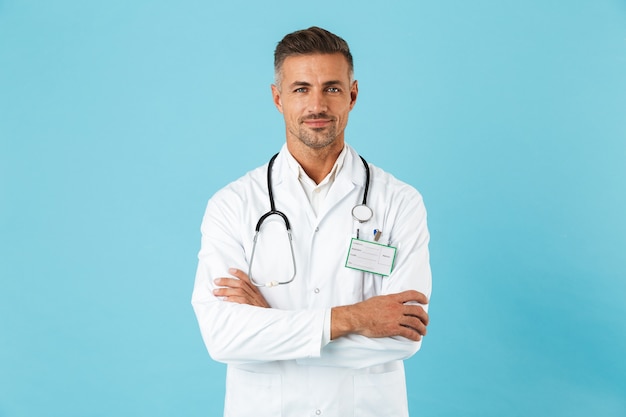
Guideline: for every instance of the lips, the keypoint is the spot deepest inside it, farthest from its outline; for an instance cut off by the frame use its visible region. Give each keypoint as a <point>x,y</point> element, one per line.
<point>317,122</point>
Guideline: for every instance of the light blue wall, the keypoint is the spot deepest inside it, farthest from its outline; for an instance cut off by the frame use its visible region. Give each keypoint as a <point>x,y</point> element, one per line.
<point>119,119</point>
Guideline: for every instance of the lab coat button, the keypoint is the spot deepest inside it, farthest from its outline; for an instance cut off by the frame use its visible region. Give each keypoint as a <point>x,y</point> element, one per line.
<point>317,229</point>
<point>317,290</point>
<point>318,412</point>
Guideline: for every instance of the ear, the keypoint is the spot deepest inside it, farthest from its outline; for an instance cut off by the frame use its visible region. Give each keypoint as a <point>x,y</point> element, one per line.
<point>354,92</point>
<point>276,98</point>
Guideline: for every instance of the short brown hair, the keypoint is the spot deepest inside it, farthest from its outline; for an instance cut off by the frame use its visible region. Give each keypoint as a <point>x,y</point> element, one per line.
<point>313,40</point>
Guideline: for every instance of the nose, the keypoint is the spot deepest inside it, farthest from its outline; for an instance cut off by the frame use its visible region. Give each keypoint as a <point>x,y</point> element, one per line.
<point>318,103</point>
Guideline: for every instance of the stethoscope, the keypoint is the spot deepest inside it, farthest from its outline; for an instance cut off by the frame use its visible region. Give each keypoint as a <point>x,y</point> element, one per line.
<point>361,213</point>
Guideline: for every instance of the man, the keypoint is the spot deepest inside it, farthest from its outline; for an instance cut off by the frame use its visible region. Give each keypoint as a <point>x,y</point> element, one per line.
<point>305,324</point>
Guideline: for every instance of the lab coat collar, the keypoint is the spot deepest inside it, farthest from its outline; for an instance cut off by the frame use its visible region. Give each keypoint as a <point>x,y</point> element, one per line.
<point>350,175</point>
<point>299,172</point>
<point>351,170</point>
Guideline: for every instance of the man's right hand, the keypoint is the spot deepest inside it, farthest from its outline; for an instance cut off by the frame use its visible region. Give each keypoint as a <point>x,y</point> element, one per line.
<point>382,316</point>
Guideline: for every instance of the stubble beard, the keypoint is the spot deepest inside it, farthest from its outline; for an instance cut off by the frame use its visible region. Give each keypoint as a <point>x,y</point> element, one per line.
<point>317,138</point>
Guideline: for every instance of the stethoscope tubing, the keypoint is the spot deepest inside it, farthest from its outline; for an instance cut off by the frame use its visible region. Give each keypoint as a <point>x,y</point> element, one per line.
<point>273,211</point>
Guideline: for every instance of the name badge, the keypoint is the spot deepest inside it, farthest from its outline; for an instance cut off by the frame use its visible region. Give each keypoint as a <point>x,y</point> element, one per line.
<point>371,257</point>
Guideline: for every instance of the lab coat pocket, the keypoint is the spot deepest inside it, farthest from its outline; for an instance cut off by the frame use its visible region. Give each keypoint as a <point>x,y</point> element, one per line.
<point>252,394</point>
<point>378,395</point>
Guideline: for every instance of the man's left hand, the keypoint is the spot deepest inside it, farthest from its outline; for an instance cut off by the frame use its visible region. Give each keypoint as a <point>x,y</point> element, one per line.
<point>239,290</point>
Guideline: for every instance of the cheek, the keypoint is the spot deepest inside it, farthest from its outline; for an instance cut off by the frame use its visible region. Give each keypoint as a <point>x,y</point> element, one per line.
<point>292,116</point>
<point>343,116</point>
<point>296,112</point>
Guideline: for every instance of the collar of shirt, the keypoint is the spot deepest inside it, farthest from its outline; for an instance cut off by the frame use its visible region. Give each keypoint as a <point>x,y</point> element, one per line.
<point>316,193</point>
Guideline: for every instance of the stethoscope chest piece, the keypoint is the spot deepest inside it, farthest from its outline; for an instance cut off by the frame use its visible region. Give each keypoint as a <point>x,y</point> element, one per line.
<point>362,213</point>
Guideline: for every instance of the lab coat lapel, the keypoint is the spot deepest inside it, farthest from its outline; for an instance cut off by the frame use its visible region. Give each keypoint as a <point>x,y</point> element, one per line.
<point>349,177</point>
<point>291,192</point>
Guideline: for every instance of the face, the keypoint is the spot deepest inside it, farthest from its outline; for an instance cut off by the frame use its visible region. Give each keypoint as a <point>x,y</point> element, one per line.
<point>315,96</point>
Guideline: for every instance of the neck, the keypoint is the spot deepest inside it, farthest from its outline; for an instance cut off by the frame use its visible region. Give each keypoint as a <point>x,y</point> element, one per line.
<point>317,163</point>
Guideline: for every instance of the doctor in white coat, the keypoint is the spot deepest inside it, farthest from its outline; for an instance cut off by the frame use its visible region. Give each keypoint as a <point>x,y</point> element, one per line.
<point>303,329</point>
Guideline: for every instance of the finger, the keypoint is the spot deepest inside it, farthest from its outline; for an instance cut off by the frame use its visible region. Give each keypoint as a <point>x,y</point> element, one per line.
<point>244,291</point>
<point>411,295</point>
<point>244,278</point>
<point>239,300</point>
<point>228,282</point>
<point>239,287</point>
<point>418,312</point>
<point>242,283</point>
<point>414,323</point>
<point>230,286</point>
<point>238,295</point>
<point>409,333</point>
<point>228,292</point>
<point>239,274</point>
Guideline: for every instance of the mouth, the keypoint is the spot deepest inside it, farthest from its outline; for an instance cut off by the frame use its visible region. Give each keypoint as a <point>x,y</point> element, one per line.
<point>317,122</point>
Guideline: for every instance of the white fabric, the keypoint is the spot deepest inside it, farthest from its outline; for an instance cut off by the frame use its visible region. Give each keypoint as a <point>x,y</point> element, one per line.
<point>316,193</point>
<point>279,362</point>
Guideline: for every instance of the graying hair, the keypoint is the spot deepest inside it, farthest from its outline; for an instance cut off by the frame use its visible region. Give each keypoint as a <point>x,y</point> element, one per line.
<point>313,40</point>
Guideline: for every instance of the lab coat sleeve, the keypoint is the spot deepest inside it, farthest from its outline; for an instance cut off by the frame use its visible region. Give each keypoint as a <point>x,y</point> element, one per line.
<point>236,333</point>
<point>411,271</point>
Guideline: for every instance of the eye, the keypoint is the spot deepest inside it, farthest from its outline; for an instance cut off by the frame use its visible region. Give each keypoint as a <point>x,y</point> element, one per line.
<point>300,90</point>
<point>333,90</point>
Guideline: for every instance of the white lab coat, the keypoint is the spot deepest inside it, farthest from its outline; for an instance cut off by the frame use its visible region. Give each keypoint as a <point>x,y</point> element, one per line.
<point>278,364</point>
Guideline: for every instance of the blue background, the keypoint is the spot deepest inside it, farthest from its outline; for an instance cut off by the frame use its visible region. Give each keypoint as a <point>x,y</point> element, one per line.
<point>119,119</point>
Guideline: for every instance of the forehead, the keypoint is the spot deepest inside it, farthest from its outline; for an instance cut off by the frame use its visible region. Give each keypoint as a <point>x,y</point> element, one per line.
<point>316,68</point>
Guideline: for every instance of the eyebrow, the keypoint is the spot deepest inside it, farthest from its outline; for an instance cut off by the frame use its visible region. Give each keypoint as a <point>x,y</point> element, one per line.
<point>300,84</point>
<point>308,84</point>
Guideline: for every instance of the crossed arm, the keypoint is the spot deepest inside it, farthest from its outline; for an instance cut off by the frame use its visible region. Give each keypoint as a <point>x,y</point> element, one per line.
<point>380,316</point>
